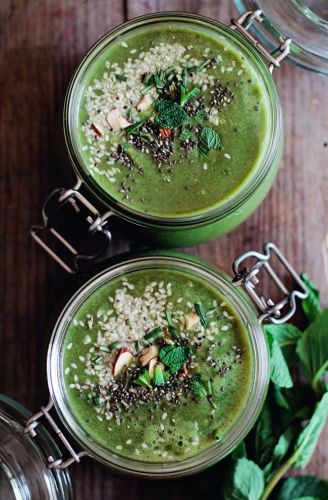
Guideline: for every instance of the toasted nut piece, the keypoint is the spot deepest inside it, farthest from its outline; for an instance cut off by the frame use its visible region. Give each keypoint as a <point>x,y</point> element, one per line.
<point>191,320</point>
<point>124,358</point>
<point>166,133</point>
<point>148,353</point>
<point>169,341</point>
<point>124,123</point>
<point>151,367</point>
<point>98,129</point>
<point>113,119</point>
<point>185,370</point>
<point>144,103</point>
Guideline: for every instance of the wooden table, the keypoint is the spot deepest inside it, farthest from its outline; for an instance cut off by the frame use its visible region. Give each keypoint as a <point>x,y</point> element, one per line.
<point>41,42</point>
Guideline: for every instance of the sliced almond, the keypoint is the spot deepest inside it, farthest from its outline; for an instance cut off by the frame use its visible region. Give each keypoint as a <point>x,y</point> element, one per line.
<point>191,320</point>
<point>148,353</point>
<point>144,103</point>
<point>124,123</point>
<point>151,367</point>
<point>185,370</point>
<point>123,359</point>
<point>113,119</point>
<point>98,129</point>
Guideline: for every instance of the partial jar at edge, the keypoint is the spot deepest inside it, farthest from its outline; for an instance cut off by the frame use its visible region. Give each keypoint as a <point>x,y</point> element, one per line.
<point>191,229</point>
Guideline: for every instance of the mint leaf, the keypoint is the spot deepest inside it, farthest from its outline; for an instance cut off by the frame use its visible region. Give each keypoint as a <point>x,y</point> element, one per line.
<point>279,370</point>
<point>287,336</point>
<point>311,305</point>
<point>309,487</point>
<point>247,482</point>
<point>170,114</point>
<point>144,380</point>
<point>208,139</point>
<point>312,349</point>
<point>174,357</point>
<point>307,440</point>
<point>197,387</point>
<point>265,438</point>
<point>283,444</point>
<point>158,378</point>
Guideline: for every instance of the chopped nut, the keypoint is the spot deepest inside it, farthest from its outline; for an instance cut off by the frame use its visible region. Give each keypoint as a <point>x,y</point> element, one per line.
<point>115,121</point>
<point>166,133</point>
<point>152,364</point>
<point>144,103</point>
<point>98,129</point>
<point>148,353</point>
<point>123,359</point>
<point>191,320</point>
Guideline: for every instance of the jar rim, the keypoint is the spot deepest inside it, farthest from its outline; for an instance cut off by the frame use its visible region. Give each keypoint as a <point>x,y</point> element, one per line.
<point>251,184</point>
<point>244,420</point>
<point>296,20</point>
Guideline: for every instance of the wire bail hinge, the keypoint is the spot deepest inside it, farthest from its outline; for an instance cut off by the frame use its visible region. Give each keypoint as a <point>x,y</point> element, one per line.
<point>244,22</point>
<point>81,233</point>
<point>31,426</point>
<point>276,312</point>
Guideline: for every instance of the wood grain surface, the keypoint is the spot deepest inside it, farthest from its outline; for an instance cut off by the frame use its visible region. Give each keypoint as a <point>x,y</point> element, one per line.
<point>41,41</point>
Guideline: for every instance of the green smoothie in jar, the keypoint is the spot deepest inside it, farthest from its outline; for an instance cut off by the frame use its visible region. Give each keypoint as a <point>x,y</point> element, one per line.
<point>173,121</point>
<point>157,365</point>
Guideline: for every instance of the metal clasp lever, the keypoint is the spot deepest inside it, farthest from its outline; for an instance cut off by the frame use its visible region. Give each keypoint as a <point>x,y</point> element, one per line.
<point>82,233</point>
<point>30,427</point>
<point>248,277</point>
<point>243,23</point>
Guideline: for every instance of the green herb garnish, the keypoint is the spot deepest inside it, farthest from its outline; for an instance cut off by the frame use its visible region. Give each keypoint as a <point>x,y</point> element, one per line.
<point>174,357</point>
<point>153,334</point>
<point>122,78</point>
<point>202,389</point>
<point>168,314</point>
<point>143,380</point>
<point>311,305</point>
<point>186,96</point>
<point>208,139</point>
<point>185,134</point>
<point>133,128</point>
<point>200,312</point>
<point>104,348</point>
<point>170,114</point>
<point>174,333</point>
<point>137,346</point>
<point>113,345</point>
<point>158,378</point>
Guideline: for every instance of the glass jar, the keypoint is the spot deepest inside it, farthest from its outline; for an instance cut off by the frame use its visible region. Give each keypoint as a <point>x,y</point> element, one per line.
<point>24,462</point>
<point>185,230</point>
<point>246,313</point>
<point>305,22</point>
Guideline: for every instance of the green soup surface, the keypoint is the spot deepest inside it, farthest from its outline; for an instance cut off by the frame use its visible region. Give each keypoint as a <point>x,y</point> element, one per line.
<point>157,366</point>
<point>173,121</point>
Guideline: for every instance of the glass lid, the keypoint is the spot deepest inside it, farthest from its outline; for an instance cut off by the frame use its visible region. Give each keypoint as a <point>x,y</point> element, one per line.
<point>24,474</point>
<point>305,22</point>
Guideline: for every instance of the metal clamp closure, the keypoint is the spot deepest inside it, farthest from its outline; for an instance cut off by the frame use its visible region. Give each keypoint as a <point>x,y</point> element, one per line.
<point>30,429</point>
<point>243,23</point>
<point>82,233</point>
<point>282,310</point>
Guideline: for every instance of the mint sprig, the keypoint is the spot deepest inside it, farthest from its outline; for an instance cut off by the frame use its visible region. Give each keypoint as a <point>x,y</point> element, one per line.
<point>208,139</point>
<point>174,357</point>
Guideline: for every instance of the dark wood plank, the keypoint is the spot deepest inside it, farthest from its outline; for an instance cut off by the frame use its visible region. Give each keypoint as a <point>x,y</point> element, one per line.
<point>40,44</point>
